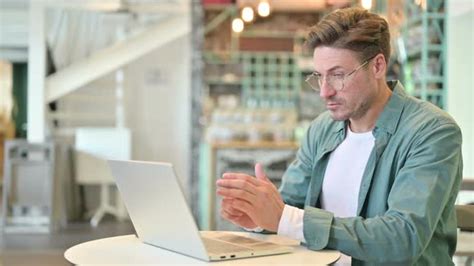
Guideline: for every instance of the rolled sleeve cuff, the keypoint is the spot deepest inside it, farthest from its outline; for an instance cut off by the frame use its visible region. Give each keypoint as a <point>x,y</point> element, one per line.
<point>291,223</point>
<point>257,229</point>
<point>316,227</point>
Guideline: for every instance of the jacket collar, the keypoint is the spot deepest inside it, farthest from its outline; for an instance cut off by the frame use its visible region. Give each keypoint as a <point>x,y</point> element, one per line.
<point>390,116</point>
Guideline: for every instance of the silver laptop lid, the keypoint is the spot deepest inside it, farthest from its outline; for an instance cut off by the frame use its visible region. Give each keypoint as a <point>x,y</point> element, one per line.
<point>156,204</point>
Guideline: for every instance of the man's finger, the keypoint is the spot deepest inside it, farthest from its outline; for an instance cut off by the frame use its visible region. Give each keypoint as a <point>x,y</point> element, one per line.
<point>233,215</point>
<point>238,184</point>
<point>243,206</point>
<point>233,176</point>
<point>237,220</point>
<point>260,173</point>
<point>236,193</point>
<point>228,216</point>
<point>227,206</point>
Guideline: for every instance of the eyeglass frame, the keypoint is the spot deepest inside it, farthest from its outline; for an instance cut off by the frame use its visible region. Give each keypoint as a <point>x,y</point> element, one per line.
<point>319,80</point>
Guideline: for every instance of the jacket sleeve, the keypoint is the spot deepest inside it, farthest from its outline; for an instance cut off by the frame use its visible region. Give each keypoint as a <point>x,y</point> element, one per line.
<point>423,188</point>
<point>295,181</point>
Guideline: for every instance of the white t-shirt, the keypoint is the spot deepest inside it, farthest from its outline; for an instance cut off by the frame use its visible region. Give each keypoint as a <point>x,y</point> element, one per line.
<point>340,191</point>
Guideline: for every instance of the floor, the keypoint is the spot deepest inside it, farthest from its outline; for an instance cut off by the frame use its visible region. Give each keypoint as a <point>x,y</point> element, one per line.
<point>48,249</point>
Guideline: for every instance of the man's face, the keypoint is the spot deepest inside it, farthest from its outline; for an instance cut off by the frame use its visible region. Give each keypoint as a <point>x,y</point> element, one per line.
<point>358,93</point>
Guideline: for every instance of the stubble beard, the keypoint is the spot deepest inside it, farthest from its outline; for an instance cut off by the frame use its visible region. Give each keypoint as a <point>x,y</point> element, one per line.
<point>356,114</point>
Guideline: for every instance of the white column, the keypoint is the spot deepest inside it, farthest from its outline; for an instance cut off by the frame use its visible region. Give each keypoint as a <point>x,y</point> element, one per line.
<point>119,107</point>
<point>36,73</point>
<point>119,76</point>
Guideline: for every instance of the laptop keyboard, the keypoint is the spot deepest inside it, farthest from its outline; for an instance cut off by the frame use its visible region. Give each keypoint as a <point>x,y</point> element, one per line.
<point>217,246</point>
<point>241,240</point>
<point>254,244</point>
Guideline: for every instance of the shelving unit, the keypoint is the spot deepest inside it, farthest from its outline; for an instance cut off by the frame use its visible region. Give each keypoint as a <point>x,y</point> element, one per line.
<point>239,157</point>
<point>423,51</point>
<point>270,79</point>
<point>265,79</point>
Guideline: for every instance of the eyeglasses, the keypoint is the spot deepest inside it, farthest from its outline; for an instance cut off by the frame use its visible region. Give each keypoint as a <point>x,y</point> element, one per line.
<point>335,81</point>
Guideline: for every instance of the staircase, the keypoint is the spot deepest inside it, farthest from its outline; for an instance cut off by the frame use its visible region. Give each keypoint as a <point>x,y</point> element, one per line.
<point>90,50</point>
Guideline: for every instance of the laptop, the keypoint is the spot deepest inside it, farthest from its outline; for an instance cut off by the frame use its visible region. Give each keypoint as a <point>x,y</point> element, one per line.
<point>161,217</point>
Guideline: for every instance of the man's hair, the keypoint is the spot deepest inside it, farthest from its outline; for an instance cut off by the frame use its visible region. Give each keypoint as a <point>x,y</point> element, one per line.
<point>354,29</point>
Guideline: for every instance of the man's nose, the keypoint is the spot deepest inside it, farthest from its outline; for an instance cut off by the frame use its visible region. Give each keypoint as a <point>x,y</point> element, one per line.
<point>326,90</point>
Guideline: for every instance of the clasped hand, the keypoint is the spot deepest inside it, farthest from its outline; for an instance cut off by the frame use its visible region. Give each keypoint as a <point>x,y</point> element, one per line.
<point>250,202</point>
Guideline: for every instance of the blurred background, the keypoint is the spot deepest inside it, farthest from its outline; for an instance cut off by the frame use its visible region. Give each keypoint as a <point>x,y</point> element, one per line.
<point>208,85</point>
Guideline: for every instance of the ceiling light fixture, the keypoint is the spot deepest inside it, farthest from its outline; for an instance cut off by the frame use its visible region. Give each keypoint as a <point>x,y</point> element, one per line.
<point>237,25</point>
<point>247,14</point>
<point>263,8</point>
<point>367,4</point>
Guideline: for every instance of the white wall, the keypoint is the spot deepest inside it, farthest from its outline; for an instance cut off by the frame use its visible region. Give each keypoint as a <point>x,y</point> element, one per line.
<point>460,82</point>
<point>158,91</point>
<point>460,71</point>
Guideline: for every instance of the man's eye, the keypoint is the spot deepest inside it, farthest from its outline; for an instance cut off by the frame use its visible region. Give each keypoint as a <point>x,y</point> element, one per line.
<point>338,75</point>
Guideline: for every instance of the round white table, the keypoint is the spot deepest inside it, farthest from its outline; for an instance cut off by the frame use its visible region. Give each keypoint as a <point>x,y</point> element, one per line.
<point>129,249</point>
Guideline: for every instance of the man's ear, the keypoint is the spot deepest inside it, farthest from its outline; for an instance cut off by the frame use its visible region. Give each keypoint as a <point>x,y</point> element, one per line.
<point>379,67</point>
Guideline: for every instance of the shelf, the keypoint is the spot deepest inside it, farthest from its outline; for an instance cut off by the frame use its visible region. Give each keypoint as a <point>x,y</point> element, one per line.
<point>429,79</point>
<point>268,34</point>
<point>431,48</point>
<point>223,81</point>
<point>429,92</point>
<point>417,19</point>
<point>218,7</point>
<point>424,42</point>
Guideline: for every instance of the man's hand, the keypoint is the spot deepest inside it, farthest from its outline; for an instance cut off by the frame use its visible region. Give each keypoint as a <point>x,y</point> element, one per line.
<point>249,201</point>
<point>235,216</point>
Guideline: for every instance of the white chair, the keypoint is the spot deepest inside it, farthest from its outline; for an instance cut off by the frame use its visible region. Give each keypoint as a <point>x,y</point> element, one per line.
<point>93,147</point>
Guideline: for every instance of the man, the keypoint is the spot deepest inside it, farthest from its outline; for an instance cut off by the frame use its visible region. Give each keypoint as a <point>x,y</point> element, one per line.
<point>376,176</point>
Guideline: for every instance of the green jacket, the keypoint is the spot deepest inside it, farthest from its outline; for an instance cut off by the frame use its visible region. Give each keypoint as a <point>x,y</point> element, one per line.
<point>405,211</point>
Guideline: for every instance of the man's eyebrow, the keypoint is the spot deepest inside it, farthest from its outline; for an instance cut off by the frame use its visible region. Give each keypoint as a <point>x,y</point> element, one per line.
<point>330,70</point>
